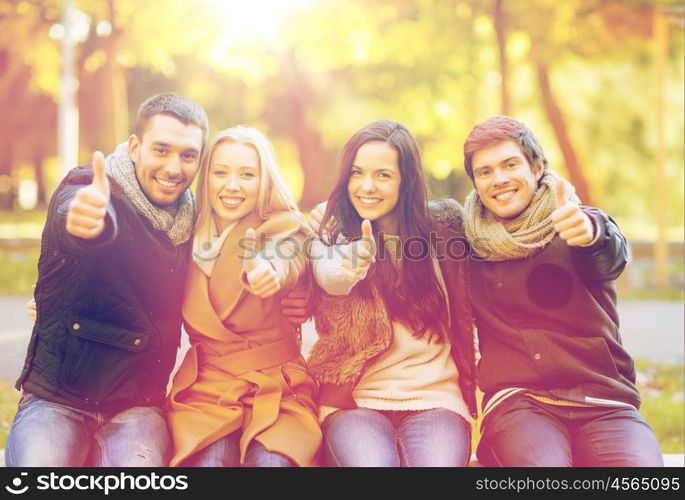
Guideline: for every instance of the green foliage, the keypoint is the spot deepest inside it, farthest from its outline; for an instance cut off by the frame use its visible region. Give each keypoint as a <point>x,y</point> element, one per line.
<point>661,387</point>
<point>9,397</point>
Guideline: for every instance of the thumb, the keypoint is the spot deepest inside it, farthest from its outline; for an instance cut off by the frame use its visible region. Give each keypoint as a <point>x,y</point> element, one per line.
<point>367,236</point>
<point>561,193</point>
<point>250,250</point>
<point>100,181</point>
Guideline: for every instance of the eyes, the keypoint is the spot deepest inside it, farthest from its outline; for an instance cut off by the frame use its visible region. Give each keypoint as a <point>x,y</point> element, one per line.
<point>486,171</point>
<point>189,156</point>
<point>243,174</point>
<point>357,173</point>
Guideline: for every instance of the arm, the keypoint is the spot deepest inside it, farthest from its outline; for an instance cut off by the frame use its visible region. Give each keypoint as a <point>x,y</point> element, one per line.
<point>83,217</point>
<point>338,268</point>
<point>606,257</point>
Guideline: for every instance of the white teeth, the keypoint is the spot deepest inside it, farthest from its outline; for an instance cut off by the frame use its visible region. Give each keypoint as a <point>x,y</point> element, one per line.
<point>166,183</point>
<point>370,201</point>
<point>504,196</point>
<point>232,202</point>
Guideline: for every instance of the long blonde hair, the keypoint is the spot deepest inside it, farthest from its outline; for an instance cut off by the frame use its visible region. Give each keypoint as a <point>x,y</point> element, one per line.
<point>273,194</point>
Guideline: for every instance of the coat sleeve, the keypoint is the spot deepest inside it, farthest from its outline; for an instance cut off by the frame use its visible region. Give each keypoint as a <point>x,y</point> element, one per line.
<point>57,219</point>
<point>607,256</point>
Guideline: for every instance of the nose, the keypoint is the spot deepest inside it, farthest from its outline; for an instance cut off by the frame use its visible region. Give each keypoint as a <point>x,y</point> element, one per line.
<point>232,183</point>
<point>368,185</point>
<point>173,167</point>
<point>500,177</point>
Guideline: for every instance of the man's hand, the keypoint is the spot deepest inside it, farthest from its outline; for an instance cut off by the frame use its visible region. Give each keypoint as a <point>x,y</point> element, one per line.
<point>86,216</point>
<point>260,275</point>
<point>359,255</point>
<point>31,308</point>
<point>294,306</point>
<point>316,216</point>
<point>572,224</point>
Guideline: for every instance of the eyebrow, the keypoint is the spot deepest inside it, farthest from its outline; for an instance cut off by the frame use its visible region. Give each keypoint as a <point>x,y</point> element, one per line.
<point>167,145</point>
<point>382,169</point>
<point>516,157</point>
<point>227,166</point>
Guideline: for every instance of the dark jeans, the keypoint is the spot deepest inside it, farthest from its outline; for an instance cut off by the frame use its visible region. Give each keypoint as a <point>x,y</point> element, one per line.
<point>46,434</point>
<point>225,452</point>
<point>523,432</point>
<point>362,437</point>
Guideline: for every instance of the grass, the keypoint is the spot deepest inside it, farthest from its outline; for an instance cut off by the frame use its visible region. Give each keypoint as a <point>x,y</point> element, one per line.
<point>661,386</point>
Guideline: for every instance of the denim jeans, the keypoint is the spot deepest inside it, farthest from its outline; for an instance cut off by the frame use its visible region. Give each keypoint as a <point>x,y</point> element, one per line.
<point>362,437</point>
<point>523,432</point>
<point>225,452</point>
<point>46,434</point>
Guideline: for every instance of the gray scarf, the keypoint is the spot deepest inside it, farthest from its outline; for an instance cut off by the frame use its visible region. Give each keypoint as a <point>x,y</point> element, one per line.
<point>520,237</point>
<point>175,220</point>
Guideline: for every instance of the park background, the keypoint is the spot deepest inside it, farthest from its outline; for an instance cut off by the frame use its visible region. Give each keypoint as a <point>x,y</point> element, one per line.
<point>599,81</point>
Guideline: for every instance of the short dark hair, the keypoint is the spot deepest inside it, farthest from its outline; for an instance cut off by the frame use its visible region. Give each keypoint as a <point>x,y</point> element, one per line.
<point>502,128</point>
<point>179,106</point>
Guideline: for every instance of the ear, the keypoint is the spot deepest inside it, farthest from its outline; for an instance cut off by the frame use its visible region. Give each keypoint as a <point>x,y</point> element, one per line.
<point>538,170</point>
<point>133,145</point>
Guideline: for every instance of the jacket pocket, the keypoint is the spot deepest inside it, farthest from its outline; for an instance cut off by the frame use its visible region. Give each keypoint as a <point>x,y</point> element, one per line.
<point>102,361</point>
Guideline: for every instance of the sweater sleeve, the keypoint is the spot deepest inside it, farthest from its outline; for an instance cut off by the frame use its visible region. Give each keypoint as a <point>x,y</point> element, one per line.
<point>327,267</point>
<point>287,257</point>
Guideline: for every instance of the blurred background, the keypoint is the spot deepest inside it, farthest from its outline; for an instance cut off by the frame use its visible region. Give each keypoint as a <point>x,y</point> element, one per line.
<point>600,82</point>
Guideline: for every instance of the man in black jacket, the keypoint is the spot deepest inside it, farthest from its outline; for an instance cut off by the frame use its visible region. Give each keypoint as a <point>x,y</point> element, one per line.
<point>559,388</point>
<point>110,284</point>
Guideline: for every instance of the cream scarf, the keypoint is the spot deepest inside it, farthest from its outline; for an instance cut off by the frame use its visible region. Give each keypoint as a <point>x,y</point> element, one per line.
<point>175,220</point>
<point>207,244</point>
<point>520,237</point>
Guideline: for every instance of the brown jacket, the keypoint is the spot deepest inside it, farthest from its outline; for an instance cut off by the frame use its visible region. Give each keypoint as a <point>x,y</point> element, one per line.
<point>243,371</point>
<point>354,331</point>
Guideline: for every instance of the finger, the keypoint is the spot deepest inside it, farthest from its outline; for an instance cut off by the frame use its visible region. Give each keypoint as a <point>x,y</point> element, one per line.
<point>267,290</point>
<point>367,236</point>
<point>574,232</point>
<point>561,193</point>
<point>87,210</point>
<point>563,212</point>
<point>294,311</point>
<point>574,218</point>
<point>85,233</point>
<point>83,222</point>
<point>294,302</point>
<point>298,293</point>
<point>579,241</point>
<point>250,259</point>
<point>100,181</point>
<point>297,320</point>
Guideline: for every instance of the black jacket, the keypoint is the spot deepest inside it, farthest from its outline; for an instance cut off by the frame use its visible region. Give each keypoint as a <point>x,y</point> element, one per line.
<point>109,310</point>
<point>549,323</point>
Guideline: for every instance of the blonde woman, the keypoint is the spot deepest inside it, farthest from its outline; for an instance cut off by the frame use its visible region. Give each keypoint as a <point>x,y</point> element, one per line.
<point>242,395</point>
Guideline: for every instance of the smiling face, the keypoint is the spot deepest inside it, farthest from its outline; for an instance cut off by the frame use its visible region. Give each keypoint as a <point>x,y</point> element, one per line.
<point>374,184</point>
<point>166,157</point>
<point>504,179</point>
<point>233,182</point>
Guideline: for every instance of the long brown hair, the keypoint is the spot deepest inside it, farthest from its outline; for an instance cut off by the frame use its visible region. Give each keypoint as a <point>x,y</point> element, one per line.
<point>413,293</point>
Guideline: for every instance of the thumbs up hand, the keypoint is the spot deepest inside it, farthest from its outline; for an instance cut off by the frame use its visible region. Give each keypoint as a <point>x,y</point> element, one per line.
<point>572,224</point>
<point>260,276</point>
<point>359,255</point>
<point>86,215</point>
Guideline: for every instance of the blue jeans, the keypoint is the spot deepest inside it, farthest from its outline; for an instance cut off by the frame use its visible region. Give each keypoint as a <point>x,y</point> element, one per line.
<point>46,434</point>
<point>362,437</point>
<point>523,432</point>
<point>225,452</point>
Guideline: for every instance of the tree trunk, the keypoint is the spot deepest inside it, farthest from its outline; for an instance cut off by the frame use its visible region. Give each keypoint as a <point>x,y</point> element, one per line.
<point>315,160</point>
<point>500,30</point>
<point>559,125</point>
